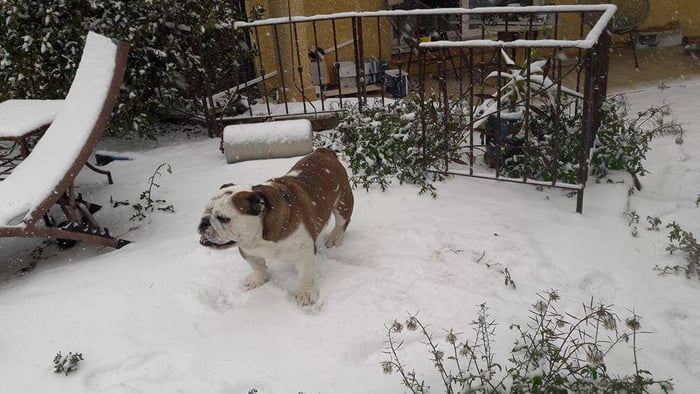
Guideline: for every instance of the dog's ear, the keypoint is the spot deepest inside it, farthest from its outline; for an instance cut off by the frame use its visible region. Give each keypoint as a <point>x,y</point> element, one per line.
<point>275,215</point>
<point>256,203</point>
<point>225,185</point>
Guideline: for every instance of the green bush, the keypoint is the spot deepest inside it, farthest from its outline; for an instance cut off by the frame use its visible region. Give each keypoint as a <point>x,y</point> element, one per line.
<point>383,143</point>
<point>683,241</point>
<point>621,143</point>
<point>180,50</point>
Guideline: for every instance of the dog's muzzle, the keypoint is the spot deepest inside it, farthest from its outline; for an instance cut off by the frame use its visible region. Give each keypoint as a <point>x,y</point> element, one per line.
<point>204,225</point>
<point>209,244</point>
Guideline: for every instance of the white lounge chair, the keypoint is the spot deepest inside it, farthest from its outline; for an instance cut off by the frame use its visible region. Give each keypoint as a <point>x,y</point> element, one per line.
<point>46,175</point>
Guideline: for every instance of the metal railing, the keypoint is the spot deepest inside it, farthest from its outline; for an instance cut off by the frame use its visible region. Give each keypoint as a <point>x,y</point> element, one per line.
<point>455,66</point>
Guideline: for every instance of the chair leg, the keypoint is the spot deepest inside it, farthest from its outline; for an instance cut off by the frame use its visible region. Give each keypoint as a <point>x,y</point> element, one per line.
<point>99,171</point>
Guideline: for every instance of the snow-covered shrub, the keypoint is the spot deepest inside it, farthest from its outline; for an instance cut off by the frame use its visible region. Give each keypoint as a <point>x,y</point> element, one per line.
<point>383,143</point>
<point>683,241</point>
<point>66,364</point>
<point>621,143</point>
<point>546,154</point>
<point>554,353</point>
<point>180,50</point>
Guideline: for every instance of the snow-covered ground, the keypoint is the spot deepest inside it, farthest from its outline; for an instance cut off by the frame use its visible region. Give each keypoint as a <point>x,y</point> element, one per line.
<point>165,315</point>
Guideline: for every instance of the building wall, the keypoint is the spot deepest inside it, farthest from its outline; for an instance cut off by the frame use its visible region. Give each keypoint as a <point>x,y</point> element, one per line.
<point>662,12</point>
<point>687,12</point>
<point>373,43</point>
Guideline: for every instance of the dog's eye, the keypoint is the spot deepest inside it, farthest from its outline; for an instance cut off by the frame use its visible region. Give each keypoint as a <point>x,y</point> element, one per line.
<point>223,219</point>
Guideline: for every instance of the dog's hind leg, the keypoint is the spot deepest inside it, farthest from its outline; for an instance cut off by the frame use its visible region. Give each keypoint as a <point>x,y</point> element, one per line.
<point>342,211</point>
<point>259,275</point>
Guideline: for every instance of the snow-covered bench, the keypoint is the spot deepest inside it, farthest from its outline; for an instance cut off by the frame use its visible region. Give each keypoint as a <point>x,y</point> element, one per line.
<point>45,177</point>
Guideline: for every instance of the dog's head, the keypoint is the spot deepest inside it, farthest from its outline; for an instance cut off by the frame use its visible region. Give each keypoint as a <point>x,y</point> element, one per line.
<point>232,217</point>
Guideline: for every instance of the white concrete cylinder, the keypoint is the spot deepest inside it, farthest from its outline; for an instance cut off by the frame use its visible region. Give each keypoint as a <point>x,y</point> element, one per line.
<point>284,138</point>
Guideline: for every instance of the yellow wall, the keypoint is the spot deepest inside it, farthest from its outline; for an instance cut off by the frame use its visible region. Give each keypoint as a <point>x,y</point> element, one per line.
<point>324,38</point>
<point>686,12</point>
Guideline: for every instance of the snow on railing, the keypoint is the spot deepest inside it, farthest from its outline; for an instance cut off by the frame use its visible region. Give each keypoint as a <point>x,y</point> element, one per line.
<point>588,42</point>
<point>607,9</point>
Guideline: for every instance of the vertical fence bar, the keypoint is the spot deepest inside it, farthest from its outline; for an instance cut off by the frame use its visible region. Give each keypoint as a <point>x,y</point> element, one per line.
<point>597,61</point>
<point>300,68</point>
<point>358,66</point>
<point>280,68</point>
<point>579,65</point>
<point>471,111</point>
<point>362,89</point>
<point>399,31</point>
<point>498,114</point>
<point>421,93</point>
<point>526,120</point>
<point>446,104</point>
<point>250,96</point>
<point>262,70</point>
<point>556,34</point>
<point>601,59</point>
<point>336,65</point>
<point>318,67</point>
<point>379,78</point>
<point>460,97</point>
<point>483,50</point>
<point>557,120</point>
<point>586,127</point>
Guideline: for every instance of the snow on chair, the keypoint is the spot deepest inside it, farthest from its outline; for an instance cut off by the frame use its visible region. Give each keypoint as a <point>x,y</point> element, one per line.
<point>46,176</point>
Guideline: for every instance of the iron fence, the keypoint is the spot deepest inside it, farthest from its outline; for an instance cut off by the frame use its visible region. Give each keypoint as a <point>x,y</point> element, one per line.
<point>484,66</point>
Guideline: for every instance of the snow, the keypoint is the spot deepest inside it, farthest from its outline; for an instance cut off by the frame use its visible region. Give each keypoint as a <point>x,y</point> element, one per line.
<point>607,9</point>
<point>285,131</point>
<point>19,117</point>
<point>36,177</point>
<point>167,315</point>
<point>590,40</point>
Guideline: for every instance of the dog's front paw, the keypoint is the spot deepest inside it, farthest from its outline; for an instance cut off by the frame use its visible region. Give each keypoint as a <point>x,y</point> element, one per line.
<point>255,280</point>
<point>306,297</point>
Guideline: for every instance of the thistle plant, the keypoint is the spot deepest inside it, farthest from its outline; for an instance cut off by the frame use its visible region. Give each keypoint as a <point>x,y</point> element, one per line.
<point>555,352</point>
<point>148,203</point>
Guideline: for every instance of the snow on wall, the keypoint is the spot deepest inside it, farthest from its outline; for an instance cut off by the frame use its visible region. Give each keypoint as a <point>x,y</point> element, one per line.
<point>284,138</point>
<point>18,117</point>
<point>36,177</point>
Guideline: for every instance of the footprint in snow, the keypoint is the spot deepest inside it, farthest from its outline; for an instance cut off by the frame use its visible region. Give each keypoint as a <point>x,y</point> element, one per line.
<point>141,373</point>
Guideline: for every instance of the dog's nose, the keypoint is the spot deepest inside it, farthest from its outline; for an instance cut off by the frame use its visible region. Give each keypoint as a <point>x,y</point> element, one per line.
<point>204,224</point>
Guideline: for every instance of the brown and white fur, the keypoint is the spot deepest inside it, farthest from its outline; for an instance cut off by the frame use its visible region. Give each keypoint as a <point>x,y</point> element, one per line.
<point>282,218</point>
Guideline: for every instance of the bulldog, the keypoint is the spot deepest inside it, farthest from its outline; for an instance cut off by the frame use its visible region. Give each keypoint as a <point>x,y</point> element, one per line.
<point>282,218</point>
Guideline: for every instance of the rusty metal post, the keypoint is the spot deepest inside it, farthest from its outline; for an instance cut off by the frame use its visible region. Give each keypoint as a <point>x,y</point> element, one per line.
<point>336,65</point>
<point>300,68</point>
<point>423,109</point>
<point>318,67</point>
<point>471,111</point>
<point>280,68</point>
<point>262,70</point>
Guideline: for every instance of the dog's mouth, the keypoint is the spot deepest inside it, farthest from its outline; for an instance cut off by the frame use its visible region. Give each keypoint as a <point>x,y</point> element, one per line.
<point>209,244</point>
